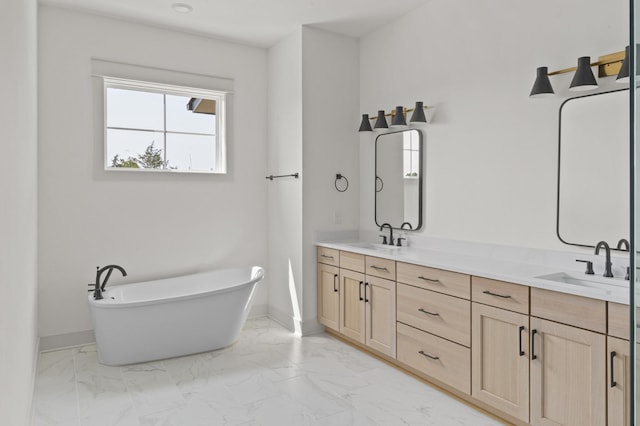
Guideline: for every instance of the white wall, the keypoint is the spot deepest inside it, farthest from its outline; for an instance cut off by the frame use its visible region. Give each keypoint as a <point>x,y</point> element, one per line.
<point>491,151</point>
<point>330,65</point>
<point>18,209</point>
<point>153,225</point>
<point>285,195</point>
<point>313,107</point>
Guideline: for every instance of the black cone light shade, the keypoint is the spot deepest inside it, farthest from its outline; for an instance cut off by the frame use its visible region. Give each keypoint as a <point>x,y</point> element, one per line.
<point>398,118</point>
<point>381,121</point>
<point>623,75</point>
<point>418,116</point>
<point>542,85</point>
<point>365,126</point>
<point>583,79</point>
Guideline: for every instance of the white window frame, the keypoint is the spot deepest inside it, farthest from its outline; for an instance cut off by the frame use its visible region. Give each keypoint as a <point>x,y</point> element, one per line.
<point>168,89</point>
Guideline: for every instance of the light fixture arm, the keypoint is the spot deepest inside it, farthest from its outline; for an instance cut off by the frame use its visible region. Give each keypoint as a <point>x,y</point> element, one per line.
<point>393,112</point>
<point>608,65</point>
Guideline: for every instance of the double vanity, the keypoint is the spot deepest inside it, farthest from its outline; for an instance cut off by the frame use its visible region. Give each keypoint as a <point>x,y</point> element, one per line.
<point>528,343</point>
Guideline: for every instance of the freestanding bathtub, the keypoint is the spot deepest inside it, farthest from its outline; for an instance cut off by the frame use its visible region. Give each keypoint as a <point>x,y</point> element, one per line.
<point>174,316</point>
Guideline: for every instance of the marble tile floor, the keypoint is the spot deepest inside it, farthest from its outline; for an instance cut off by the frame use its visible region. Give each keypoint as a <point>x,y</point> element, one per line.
<point>268,377</point>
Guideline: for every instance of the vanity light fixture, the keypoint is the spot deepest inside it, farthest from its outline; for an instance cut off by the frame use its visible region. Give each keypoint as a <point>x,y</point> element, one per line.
<point>381,121</point>
<point>397,118</point>
<point>583,79</point>
<point>418,116</point>
<point>365,126</point>
<point>623,75</point>
<point>608,65</point>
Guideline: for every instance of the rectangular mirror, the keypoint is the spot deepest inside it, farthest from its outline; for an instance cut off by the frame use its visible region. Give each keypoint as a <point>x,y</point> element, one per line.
<point>593,169</point>
<point>398,197</point>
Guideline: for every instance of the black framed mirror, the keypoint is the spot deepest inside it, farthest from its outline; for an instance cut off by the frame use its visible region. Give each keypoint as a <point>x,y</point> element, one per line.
<point>593,169</point>
<point>398,179</point>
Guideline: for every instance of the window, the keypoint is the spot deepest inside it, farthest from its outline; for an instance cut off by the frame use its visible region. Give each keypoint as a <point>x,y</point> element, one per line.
<point>161,127</point>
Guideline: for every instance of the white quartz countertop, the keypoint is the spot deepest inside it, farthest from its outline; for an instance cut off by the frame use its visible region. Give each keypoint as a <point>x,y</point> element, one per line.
<point>597,287</point>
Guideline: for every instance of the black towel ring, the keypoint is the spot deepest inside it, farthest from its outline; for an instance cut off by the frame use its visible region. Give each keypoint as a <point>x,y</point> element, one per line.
<point>340,177</point>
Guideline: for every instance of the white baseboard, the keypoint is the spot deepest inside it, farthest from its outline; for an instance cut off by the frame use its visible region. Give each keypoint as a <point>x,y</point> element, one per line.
<point>259,311</point>
<point>68,340</point>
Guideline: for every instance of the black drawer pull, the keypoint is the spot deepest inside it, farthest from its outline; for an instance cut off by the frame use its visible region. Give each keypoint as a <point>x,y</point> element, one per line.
<point>533,343</point>
<point>335,290</point>
<point>504,296</point>
<point>360,290</point>
<point>429,313</point>
<point>326,257</point>
<point>612,356</point>
<point>379,268</point>
<point>520,330</point>
<point>429,356</point>
<point>365,293</point>
<point>428,279</point>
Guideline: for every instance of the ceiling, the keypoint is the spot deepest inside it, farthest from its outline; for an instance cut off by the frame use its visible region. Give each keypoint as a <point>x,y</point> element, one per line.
<point>255,22</point>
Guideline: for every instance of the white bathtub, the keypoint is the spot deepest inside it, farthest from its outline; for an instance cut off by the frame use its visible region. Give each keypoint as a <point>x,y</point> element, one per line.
<point>174,316</point>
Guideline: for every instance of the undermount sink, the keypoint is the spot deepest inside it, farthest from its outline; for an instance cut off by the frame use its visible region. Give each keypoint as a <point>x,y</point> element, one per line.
<point>583,279</point>
<point>374,246</point>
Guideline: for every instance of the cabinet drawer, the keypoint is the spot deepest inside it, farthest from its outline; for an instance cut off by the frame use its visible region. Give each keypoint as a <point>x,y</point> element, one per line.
<point>618,320</point>
<point>501,294</point>
<point>441,359</point>
<point>378,267</point>
<point>578,311</point>
<point>445,316</point>
<point>328,256</point>
<point>352,261</point>
<point>439,280</point>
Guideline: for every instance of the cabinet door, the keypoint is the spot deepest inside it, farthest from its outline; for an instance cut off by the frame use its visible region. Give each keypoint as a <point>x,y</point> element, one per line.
<point>329,296</point>
<point>568,375</point>
<point>500,359</point>
<point>380,306</point>
<point>618,381</point>
<point>352,316</point>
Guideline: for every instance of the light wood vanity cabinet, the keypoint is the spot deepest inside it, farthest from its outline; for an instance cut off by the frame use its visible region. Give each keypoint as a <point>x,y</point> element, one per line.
<point>434,324</point>
<point>352,314</point>
<point>500,336</point>
<point>619,365</point>
<point>568,361</point>
<point>536,356</point>
<point>365,304</point>
<point>329,296</point>
<point>568,371</point>
<point>618,381</point>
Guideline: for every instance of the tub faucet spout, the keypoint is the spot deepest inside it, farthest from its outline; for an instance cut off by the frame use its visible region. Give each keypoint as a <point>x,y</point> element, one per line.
<point>99,287</point>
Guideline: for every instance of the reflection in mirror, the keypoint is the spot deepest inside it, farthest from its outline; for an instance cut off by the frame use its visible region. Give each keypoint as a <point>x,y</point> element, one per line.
<point>593,169</point>
<point>398,179</point>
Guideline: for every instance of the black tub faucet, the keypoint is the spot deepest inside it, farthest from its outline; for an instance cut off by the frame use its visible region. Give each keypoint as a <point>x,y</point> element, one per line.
<point>607,264</point>
<point>390,242</point>
<point>623,242</point>
<point>98,287</point>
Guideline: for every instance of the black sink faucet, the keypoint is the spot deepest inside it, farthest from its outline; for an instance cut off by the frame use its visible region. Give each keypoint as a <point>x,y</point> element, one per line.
<point>607,265</point>
<point>623,242</point>
<point>390,242</point>
<point>99,288</point>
